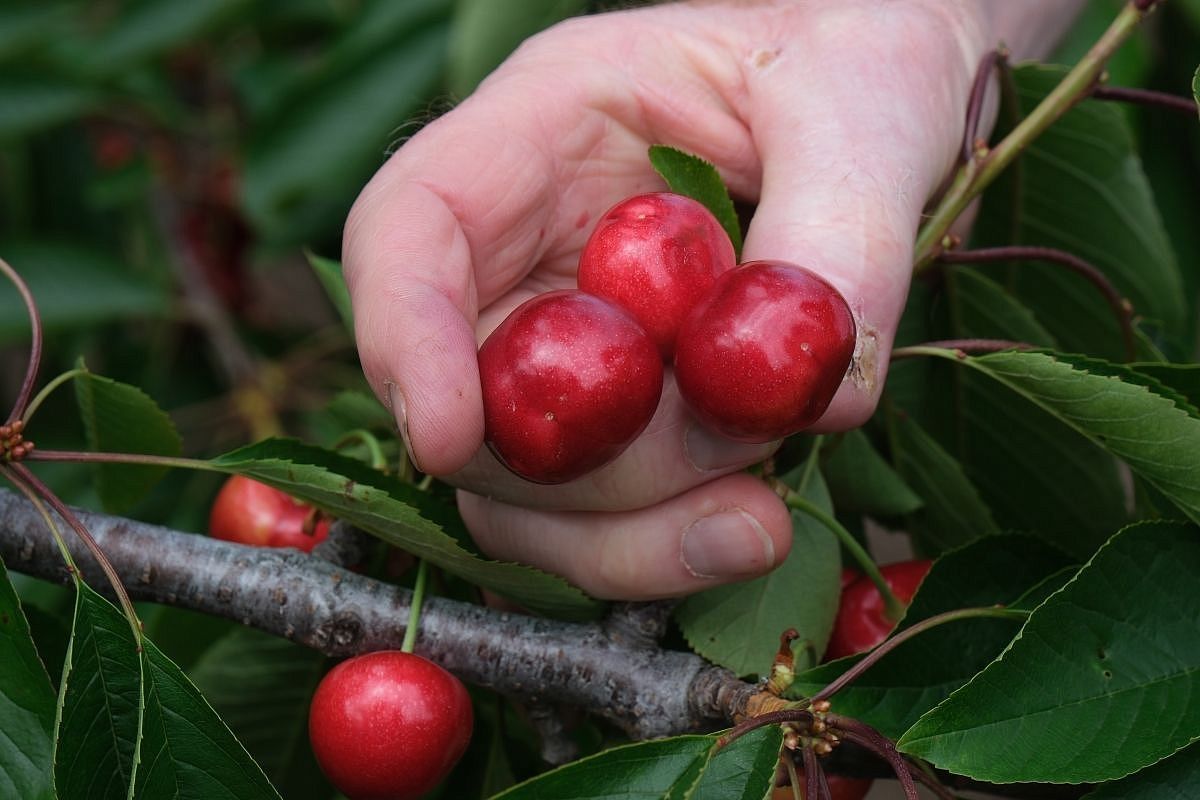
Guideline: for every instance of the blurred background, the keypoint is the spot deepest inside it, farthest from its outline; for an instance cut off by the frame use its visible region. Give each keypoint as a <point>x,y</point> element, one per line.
<point>174,175</point>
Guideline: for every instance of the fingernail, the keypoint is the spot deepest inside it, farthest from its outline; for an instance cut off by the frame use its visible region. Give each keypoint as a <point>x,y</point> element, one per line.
<point>726,545</point>
<point>708,451</point>
<point>400,412</point>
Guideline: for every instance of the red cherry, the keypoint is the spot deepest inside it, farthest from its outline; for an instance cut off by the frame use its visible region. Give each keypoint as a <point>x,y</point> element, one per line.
<point>861,621</point>
<point>569,380</point>
<point>840,787</point>
<point>761,356</point>
<point>249,512</point>
<point>655,255</point>
<point>388,725</point>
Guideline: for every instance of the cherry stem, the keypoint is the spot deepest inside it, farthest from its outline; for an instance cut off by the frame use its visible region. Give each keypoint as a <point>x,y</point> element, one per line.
<point>414,609</point>
<point>959,348</point>
<point>893,608</point>
<point>862,734</point>
<point>1146,97</point>
<point>37,503</point>
<point>982,169</point>
<point>367,440</point>
<point>45,492</point>
<point>1122,308</point>
<point>815,785</point>
<point>890,644</point>
<point>47,390</point>
<point>35,343</point>
<point>990,61</point>
<point>922,773</point>
<point>122,458</point>
<point>799,714</point>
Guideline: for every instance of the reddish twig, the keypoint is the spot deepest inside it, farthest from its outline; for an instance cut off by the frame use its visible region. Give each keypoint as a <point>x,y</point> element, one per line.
<point>865,736</point>
<point>797,715</point>
<point>815,784</point>
<point>35,343</point>
<point>991,60</point>
<point>1146,97</point>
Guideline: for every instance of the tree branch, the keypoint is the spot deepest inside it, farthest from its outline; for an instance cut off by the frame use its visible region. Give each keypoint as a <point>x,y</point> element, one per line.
<point>643,689</point>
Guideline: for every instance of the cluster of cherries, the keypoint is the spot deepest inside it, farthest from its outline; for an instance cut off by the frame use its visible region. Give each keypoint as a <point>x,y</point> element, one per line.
<point>571,377</point>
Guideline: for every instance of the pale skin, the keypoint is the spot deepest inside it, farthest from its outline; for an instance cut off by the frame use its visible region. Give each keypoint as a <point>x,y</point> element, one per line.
<point>840,119</point>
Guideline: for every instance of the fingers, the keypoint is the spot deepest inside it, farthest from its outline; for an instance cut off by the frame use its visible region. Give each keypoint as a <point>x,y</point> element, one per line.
<point>853,142</point>
<point>674,454</point>
<point>412,245</point>
<point>730,529</point>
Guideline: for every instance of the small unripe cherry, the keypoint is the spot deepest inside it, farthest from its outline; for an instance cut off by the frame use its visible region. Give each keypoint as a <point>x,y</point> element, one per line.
<point>569,381</point>
<point>761,356</point>
<point>655,255</point>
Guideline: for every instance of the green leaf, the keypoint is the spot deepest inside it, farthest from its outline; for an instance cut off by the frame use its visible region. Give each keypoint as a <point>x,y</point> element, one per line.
<point>665,768</point>
<point>74,287</point>
<point>1138,376</point>
<point>26,705</point>
<point>921,673</point>
<point>1101,681</point>
<point>1174,778</point>
<point>485,32</point>
<point>1081,188</point>
<point>260,686</point>
<point>1159,441</point>
<point>186,750</point>
<point>694,177</point>
<point>305,165</point>
<point>329,273</point>
<point>360,410</point>
<point>100,709</point>
<point>120,418</point>
<point>744,769</point>
<point>1183,378</point>
<point>738,625</point>
<point>401,515</point>
<point>951,512</point>
<point>861,481</point>
<point>986,310</point>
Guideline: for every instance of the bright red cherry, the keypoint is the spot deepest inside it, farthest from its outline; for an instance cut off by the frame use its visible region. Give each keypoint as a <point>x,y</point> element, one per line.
<point>569,380</point>
<point>861,620</point>
<point>761,356</point>
<point>249,512</point>
<point>388,725</point>
<point>655,255</point>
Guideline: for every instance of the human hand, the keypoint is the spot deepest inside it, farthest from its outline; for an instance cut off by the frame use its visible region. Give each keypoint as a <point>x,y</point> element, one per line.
<point>840,119</point>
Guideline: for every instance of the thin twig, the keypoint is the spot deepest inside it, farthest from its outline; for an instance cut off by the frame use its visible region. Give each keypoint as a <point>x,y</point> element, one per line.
<point>990,61</point>
<point>35,342</point>
<point>961,347</point>
<point>1146,97</point>
<point>865,736</point>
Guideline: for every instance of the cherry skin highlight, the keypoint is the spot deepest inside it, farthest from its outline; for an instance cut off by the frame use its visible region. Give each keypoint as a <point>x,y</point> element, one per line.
<point>569,381</point>
<point>762,355</point>
<point>249,512</point>
<point>655,255</point>
<point>861,621</point>
<point>388,725</point>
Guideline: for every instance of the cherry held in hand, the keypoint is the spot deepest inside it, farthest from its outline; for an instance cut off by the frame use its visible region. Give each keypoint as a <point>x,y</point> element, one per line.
<point>761,356</point>
<point>861,622</point>
<point>569,380</point>
<point>249,512</point>
<point>655,255</point>
<point>389,725</point>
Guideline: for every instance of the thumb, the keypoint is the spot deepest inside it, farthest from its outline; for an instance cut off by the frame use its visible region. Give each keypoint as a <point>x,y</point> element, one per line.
<point>853,141</point>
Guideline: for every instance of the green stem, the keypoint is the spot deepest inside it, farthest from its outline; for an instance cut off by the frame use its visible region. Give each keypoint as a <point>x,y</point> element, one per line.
<point>893,608</point>
<point>872,658</point>
<point>981,170</point>
<point>414,611</point>
<point>41,396</point>
<point>368,440</point>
